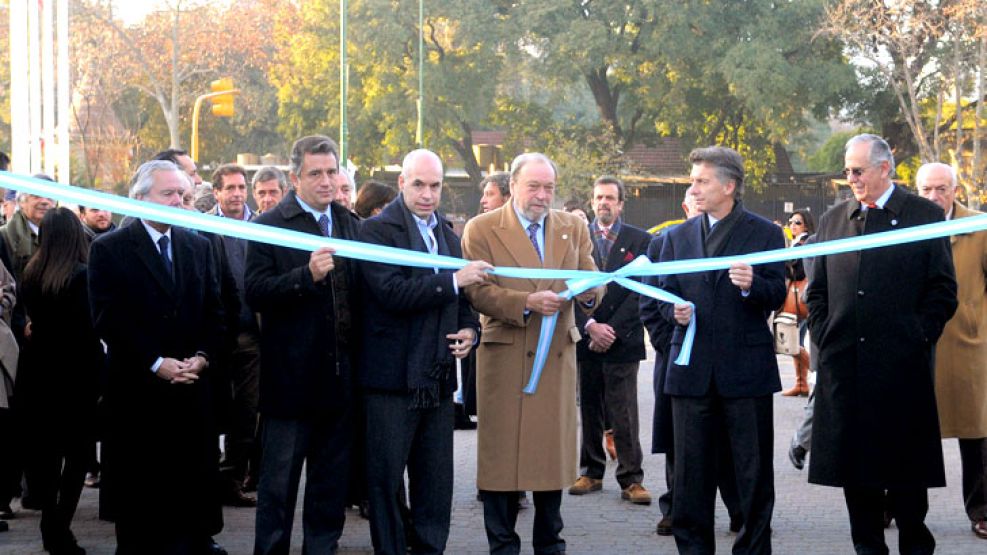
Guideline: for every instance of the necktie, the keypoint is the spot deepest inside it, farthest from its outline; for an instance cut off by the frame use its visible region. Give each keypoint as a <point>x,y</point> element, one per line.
<point>603,244</point>
<point>163,247</point>
<point>324,224</point>
<point>533,235</point>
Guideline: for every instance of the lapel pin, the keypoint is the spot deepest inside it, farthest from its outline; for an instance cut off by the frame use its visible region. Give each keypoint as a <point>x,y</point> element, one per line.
<point>622,249</point>
<point>565,236</point>
<point>894,222</point>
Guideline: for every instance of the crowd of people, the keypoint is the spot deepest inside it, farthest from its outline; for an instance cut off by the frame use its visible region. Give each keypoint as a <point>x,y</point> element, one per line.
<point>156,340</point>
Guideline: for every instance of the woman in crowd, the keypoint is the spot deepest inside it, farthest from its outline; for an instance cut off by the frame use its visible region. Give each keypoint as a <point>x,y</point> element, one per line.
<point>802,226</point>
<point>59,374</point>
<point>372,198</point>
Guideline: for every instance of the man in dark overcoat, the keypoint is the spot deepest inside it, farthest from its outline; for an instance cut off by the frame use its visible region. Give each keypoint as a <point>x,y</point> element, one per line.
<point>726,389</point>
<point>155,303</point>
<point>417,322</point>
<point>875,316</point>
<point>306,305</point>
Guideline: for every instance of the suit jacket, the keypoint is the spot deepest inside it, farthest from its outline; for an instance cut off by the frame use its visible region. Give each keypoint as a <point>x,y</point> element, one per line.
<point>525,442</point>
<point>620,305</point>
<point>876,316</point>
<point>734,347</point>
<point>961,354</point>
<point>409,310</point>
<point>660,334</point>
<point>142,313</point>
<point>306,337</point>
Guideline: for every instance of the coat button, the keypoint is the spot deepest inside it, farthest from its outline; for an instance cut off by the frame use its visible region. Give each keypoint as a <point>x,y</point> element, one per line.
<point>862,339</point>
<point>438,289</point>
<point>297,287</point>
<point>531,354</point>
<point>860,293</point>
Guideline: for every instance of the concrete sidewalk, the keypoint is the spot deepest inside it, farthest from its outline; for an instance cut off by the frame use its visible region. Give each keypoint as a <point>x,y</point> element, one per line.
<point>807,519</point>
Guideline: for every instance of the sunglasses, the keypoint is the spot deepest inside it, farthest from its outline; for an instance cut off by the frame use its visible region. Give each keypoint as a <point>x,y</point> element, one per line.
<point>856,171</point>
<point>795,222</point>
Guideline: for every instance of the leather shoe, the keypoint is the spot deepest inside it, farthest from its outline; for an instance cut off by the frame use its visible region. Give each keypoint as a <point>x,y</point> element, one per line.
<point>585,485</point>
<point>637,494</point>
<point>664,527</point>
<point>735,525</point>
<point>980,529</point>
<point>213,548</point>
<point>522,500</point>
<point>236,498</point>
<point>796,454</point>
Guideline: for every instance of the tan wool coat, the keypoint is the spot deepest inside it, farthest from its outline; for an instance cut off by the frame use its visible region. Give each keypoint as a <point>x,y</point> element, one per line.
<point>961,354</point>
<point>525,442</point>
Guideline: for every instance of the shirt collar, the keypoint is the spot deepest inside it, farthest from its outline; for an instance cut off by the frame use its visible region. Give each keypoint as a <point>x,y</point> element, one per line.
<point>430,223</point>
<point>883,199</point>
<point>155,234</point>
<point>246,212</point>
<point>525,222</point>
<point>315,213</point>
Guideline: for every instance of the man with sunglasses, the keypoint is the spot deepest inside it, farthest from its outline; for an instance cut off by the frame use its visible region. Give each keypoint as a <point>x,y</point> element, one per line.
<point>875,316</point>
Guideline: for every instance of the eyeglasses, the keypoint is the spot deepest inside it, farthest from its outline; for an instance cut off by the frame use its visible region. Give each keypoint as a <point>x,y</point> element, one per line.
<point>856,171</point>
<point>795,222</point>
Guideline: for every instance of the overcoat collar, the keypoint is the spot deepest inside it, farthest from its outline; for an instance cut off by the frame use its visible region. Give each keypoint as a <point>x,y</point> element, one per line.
<point>514,238</point>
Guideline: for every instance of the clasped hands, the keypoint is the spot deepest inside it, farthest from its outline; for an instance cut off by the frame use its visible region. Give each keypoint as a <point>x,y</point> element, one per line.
<point>184,371</point>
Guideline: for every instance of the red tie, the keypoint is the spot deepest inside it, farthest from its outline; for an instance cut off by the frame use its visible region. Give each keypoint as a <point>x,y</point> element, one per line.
<point>871,205</point>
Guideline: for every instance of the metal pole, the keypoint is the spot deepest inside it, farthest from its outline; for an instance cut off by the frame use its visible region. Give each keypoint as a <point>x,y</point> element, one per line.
<point>420,130</point>
<point>20,122</point>
<point>64,100</point>
<point>49,150</point>
<point>343,84</point>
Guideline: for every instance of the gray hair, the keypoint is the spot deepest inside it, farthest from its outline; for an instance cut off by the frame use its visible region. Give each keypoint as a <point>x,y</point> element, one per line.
<point>144,177</point>
<point>22,196</point>
<point>923,173</point>
<point>414,155</point>
<point>521,159</point>
<point>501,179</point>
<point>313,144</point>
<point>727,162</point>
<point>880,151</point>
<point>267,173</point>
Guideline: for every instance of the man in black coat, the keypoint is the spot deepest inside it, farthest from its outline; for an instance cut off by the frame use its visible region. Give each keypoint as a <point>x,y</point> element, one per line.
<point>726,389</point>
<point>660,334</point>
<point>417,323</point>
<point>610,353</point>
<point>306,305</point>
<point>155,303</point>
<point>876,316</point>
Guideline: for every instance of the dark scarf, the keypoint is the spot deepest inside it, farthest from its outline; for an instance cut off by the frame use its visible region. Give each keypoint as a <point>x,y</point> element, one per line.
<point>429,366</point>
<point>715,239</point>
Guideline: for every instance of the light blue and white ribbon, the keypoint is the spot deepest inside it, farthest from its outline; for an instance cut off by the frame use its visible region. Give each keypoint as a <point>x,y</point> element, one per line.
<point>577,281</point>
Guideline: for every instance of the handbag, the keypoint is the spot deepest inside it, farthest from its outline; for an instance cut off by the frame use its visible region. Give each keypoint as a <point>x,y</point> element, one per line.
<point>786,332</point>
<point>793,300</point>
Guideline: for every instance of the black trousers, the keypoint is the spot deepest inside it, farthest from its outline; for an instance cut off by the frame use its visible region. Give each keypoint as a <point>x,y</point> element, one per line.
<point>700,423</point>
<point>241,446</point>
<point>726,482</point>
<point>323,444</point>
<point>973,454</point>
<point>58,469</point>
<point>500,510</point>
<point>610,388</point>
<point>421,441</point>
<point>866,507</point>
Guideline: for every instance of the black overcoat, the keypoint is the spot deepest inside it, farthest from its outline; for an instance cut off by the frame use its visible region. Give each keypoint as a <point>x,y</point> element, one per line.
<point>875,316</point>
<point>619,306</point>
<point>397,300</point>
<point>660,335</point>
<point>160,437</point>
<point>305,344</point>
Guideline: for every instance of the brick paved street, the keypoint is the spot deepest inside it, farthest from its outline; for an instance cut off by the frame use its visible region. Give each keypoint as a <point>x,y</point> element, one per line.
<point>807,519</point>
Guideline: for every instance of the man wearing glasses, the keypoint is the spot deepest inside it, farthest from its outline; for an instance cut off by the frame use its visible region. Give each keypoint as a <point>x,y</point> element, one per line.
<point>875,316</point>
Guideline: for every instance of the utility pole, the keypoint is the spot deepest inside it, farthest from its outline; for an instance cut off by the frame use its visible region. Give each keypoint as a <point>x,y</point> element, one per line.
<point>343,83</point>
<point>420,130</point>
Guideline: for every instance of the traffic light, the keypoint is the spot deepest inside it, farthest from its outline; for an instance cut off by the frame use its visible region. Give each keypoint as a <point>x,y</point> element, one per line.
<point>222,105</point>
